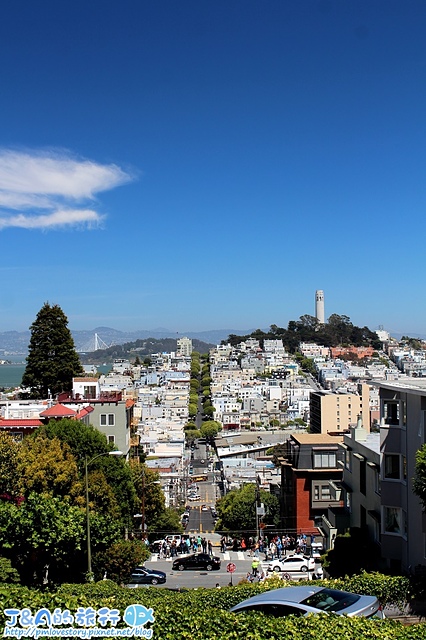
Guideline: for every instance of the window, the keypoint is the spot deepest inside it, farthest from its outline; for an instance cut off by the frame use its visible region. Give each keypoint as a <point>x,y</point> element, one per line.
<point>391,466</point>
<point>325,492</point>
<point>363,477</point>
<point>89,391</point>
<point>391,412</point>
<point>348,501</point>
<point>325,460</point>
<point>107,419</point>
<point>348,460</point>
<point>394,521</point>
<point>111,439</point>
<point>377,486</point>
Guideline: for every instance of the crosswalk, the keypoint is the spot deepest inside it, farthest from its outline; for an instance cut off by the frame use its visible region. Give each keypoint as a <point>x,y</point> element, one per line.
<point>226,557</point>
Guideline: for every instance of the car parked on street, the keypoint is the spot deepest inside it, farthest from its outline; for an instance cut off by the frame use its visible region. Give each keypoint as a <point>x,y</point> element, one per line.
<point>143,576</point>
<point>196,561</point>
<point>302,601</point>
<point>292,563</point>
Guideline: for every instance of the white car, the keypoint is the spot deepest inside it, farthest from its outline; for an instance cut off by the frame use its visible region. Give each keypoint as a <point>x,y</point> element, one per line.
<point>292,563</point>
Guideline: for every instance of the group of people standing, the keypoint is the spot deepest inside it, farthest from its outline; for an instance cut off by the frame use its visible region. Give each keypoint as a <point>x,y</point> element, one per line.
<point>274,548</point>
<point>170,548</point>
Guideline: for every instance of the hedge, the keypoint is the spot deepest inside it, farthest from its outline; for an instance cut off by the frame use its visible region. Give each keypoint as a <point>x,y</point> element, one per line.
<point>203,614</point>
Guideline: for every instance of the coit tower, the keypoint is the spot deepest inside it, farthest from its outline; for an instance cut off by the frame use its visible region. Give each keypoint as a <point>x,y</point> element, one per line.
<point>319,306</point>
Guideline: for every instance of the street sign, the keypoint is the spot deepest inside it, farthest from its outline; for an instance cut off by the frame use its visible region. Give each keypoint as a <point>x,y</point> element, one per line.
<point>230,567</point>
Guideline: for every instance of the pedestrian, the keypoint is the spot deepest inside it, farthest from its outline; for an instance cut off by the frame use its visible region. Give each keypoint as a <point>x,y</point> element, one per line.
<point>223,544</point>
<point>254,566</point>
<point>204,545</point>
<point>199,542</point>
<point>210,547</point>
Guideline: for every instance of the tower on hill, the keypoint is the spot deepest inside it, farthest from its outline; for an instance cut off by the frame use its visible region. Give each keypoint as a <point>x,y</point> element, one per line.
<point>319,306</point>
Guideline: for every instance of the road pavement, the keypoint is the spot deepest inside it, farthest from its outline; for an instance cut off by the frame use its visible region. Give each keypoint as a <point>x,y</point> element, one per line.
<point>193,578</point>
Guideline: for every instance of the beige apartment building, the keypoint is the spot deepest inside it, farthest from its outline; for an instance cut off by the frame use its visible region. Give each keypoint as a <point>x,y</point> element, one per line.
<point>335,412</point>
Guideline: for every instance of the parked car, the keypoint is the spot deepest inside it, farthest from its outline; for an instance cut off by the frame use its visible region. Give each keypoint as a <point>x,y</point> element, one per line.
<point>292,563</point>
<point>196,561</point>
<point>310,599</point>
<point>142,575</point>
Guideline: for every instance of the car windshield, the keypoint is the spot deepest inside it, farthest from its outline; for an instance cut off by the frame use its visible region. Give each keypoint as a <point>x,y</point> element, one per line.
<point>331,600</point>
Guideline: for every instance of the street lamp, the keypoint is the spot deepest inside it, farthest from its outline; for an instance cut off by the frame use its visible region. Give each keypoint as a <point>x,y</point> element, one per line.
<point>86,466</point>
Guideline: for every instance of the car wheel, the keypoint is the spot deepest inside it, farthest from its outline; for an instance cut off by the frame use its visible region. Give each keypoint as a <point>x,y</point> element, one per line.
<point>277,569</point>
<point>154,580</point>
<point>304,568</point>
<point>286,576</point>
<point>181,567</point>
<point>209,567</point>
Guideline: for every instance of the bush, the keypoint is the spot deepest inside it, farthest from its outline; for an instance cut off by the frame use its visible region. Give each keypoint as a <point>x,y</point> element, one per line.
<point>203,614</point>
<point>7,572</point>
<point>120,559</point>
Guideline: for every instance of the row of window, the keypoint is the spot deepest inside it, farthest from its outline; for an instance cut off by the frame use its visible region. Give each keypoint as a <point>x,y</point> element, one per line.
<point>394,466</point>
<point>107,420</point>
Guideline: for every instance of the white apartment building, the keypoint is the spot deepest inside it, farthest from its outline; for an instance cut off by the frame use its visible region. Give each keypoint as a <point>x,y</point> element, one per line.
<point>184,346</point>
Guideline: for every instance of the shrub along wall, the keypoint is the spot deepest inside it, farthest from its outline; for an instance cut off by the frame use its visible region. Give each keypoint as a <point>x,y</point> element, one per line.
<point>203,614</point>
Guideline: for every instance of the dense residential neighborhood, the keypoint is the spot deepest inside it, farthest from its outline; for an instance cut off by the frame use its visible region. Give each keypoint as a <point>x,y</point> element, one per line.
<point>335,442</point>
<point>274,464</point>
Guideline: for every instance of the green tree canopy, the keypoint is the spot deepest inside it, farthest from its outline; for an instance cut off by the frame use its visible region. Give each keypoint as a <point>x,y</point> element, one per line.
<point>120,559</point>
<point>49,532</point>
<point>210,429</point>
<point>9,454</point>
<point>87,441</point>
<point>148,491</point>
<point>52,360</point>
<point>192,434</point>
<point>237,512</point>
<point>47,466</point>
<point>419,480</point>
<point>192,409</point>
<point>168,521</point>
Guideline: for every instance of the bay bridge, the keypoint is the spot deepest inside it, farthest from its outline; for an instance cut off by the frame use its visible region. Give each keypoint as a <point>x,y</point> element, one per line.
<point>94,344</point>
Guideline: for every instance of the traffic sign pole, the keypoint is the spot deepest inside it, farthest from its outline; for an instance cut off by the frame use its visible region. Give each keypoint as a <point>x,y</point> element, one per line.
<point>230,567</point>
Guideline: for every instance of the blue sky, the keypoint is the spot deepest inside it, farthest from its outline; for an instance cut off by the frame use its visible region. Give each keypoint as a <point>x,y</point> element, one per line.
<point>200,165</point>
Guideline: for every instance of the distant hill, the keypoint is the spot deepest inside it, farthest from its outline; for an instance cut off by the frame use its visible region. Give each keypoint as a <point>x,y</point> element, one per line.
<point>141,348</point>
<point>16,342</point>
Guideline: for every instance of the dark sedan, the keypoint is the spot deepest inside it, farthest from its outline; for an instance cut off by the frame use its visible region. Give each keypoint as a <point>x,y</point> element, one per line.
<point>197,561</point>
<point>142,575</point>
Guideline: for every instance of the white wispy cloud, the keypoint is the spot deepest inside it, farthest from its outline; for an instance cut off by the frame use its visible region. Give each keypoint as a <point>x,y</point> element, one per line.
<point>50,189</point>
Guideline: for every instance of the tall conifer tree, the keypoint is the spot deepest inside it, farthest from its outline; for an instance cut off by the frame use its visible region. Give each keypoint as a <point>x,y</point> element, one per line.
<point>52,360</point>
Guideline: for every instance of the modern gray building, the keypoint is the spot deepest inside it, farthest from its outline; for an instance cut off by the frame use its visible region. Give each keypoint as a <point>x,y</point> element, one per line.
<point>402,433</point>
